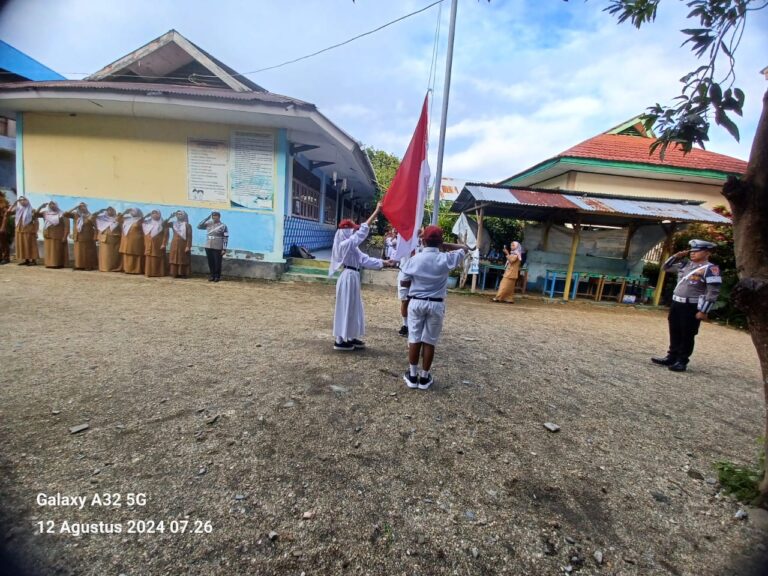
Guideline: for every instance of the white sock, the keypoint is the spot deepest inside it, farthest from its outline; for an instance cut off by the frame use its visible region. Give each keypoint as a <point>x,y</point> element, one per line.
<point>413,369</point>
<point>424,374</point>
<point>405,320</point>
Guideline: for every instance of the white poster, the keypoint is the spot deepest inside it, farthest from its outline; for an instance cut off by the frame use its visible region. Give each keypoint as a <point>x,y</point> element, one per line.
<point>207,170</point>
<point>252,157</point>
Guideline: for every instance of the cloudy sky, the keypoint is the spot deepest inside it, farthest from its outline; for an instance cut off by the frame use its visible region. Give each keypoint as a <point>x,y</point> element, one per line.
<point>531,78</point>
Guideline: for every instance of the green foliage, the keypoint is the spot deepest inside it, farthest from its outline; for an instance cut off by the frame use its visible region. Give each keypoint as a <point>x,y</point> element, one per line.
<point>503,231</point>
<point>385,167</point>
<point>742,481</point>
<point>704,95</point>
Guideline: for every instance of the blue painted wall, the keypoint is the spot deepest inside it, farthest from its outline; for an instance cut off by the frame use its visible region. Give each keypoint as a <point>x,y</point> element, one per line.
<point>312,235</point>
<point>249,233</point>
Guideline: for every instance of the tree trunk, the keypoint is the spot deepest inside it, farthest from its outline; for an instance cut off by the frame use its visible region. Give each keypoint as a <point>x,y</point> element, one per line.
<point>748,198</point>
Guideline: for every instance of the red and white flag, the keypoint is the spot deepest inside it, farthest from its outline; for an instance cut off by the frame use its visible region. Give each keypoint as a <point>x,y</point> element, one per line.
<point>403,204</point>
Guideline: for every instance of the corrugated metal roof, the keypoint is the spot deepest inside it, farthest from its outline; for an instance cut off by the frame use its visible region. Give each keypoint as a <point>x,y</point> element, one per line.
<point>155,89</point>
<point>532,202</point>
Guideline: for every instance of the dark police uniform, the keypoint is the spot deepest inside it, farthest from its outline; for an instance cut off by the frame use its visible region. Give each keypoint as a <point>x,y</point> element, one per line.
<point>698,287</point>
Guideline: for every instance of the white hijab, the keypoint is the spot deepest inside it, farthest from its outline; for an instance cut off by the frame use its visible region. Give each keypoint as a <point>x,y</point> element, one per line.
<point>152,227</point>
<point>81,218</point>
<point>51,217</point>
<point>104,221</point>
<point>180,225</point>
<point>129,221</point>
<point>340,248</point>
<point>23,213</point>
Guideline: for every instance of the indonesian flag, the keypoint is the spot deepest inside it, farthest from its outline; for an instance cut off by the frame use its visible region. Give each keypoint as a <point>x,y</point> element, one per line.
<point>403,204</point>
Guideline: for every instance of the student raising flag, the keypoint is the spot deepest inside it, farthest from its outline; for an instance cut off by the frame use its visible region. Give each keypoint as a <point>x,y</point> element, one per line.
<point>403,204</point>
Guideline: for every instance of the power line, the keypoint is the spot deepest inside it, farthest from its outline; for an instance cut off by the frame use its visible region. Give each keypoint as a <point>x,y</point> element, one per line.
<point>346,41</point>
<point>287,62</point>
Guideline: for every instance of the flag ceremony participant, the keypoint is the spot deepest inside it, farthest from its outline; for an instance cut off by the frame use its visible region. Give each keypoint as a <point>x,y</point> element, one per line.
<point>426,277</point>
<point>349,314</point>
<point>696,292</point>
<point>180,256</point>
<point>403,204</point>
<point>55,235</point>
<point>5,241</point>
<point>132,241</point>
<point>217,236</point>
<point>109,232</point>
<point>25,232</point>
<point>155,241</point>
<point>84,236</point>
<point>506,291</point>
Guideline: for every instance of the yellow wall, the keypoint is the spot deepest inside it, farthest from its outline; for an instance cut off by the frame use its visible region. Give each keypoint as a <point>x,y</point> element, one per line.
<point>141,159</point>
<point>646,187</point>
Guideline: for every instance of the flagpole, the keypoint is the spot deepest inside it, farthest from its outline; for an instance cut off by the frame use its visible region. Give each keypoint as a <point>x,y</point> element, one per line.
<point>444,117</point>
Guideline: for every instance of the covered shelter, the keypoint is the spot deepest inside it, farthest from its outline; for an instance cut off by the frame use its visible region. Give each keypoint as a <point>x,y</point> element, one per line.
<point>630,225</point>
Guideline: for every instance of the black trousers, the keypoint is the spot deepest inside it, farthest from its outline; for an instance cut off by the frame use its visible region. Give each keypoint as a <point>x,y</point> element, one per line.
<point>214,261</point>
<point>683,327</point>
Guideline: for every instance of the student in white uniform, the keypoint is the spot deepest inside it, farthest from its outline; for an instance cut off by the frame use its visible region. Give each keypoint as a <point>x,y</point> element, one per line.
<point>426,277</point>
<point>402,291</point>
<point>349,315</point>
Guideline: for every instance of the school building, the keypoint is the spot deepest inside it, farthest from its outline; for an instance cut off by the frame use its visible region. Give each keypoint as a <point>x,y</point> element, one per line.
<point>170,127</point>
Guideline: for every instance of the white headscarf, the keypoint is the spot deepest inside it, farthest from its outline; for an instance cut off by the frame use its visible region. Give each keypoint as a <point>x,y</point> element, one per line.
<point>518,249</point>
<point>153,227</point>
<point>180,225</point>
<point>340,248</point>
<point>23,213</point>
<point>129,221</point>
<point>104,221</point>
<point>51,217</point>
<point>82,215</point>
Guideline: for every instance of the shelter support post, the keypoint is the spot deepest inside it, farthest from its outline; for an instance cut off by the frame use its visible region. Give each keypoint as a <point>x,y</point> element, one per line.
<point>630,233</point>
<point>479,237</point>
<point>545,239</point>
<point>670,230</point>
<point>572,261</point>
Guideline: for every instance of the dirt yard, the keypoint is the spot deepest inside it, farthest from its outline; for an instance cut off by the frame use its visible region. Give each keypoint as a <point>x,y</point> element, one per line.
<point>260,450</point>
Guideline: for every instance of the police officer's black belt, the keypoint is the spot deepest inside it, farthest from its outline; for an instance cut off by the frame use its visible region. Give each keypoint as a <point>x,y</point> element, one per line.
<point>351,268</point>
<point>427,299</point>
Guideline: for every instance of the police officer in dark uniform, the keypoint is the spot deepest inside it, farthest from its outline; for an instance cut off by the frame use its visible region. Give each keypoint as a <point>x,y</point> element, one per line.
<point>698,285</point>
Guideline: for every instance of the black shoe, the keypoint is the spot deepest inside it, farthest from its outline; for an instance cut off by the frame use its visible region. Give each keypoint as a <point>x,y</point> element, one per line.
<point>666,361</point>
<point>425,382</point>
<point>32,263</point>
<point>678,366</point>
<point>343,346</point>
<point>217,279</point>
<point>411,381</point>
<point>358,344</point>
<point>403,330</point>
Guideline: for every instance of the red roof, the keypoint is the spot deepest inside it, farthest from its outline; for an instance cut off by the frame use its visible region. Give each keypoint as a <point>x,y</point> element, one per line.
<point>620,148</point>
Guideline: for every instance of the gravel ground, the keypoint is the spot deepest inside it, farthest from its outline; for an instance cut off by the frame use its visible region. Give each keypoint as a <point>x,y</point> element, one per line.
<point>225,405</point>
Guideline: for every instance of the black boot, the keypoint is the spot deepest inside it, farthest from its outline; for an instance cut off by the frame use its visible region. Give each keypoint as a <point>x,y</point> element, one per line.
<point>678,366</point>
<point>666,361</point>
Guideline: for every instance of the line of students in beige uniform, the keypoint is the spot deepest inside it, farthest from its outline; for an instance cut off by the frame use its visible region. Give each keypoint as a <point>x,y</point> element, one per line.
<point>129,242</point>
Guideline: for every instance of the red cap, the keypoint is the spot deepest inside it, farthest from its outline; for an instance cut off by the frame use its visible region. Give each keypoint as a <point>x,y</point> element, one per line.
<point>347,223</point>
<point>432,233</point>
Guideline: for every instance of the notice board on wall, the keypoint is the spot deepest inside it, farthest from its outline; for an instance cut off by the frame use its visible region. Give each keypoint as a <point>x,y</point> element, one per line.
<point>252,170</point>
<point>207,170</point>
